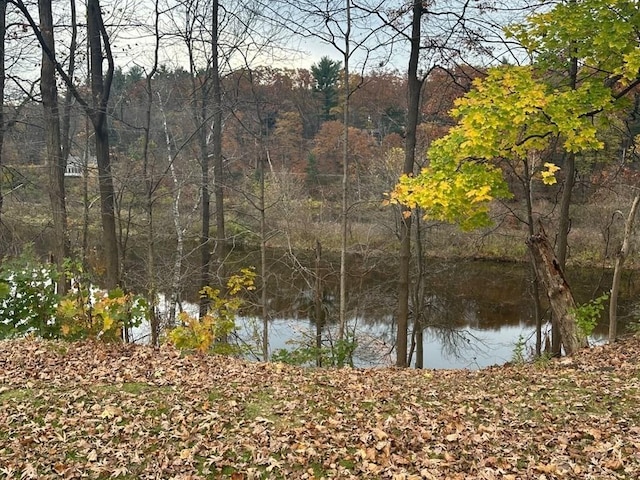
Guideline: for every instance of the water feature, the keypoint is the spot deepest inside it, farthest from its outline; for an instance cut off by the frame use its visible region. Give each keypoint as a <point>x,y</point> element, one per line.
<point>477,312</point>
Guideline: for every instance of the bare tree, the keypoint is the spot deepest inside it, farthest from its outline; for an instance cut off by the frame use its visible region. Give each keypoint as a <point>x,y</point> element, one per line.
<point>332,23</point>
<point>218,173</point>
<point>3,33</point>
<point>96,109</point>
<point>150,188</point>
<point>55,159</point>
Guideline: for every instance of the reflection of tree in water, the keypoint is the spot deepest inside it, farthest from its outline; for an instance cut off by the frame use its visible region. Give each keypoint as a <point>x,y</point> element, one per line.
<point>456,343</point>
<point>447,323</point>
<point>459,296</point>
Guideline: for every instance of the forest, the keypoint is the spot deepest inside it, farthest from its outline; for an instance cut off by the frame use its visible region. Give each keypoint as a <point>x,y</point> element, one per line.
<point>203,152</point>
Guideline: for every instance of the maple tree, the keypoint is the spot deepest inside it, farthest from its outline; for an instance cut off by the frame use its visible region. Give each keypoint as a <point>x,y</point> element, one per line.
<point>519,113</point>
<point>509,114</point>
<point>515,110</point>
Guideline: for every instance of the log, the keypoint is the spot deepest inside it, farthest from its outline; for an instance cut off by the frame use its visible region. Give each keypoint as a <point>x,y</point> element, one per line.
<point>558,291</point>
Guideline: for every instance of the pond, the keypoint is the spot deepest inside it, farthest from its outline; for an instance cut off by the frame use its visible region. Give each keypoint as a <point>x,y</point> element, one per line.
<point>477,311</point>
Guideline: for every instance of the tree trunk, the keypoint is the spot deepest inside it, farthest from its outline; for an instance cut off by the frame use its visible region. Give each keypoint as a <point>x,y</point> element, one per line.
<point>3,33</point>
<point>418,321</point>
<point>176,274</point>
<point>86,205</point>
<point>218,164</point>
<point>55,161</point>
<point>263,263</point>
<point>205,247</point>
<point>560,298</point>
<point>564,223</point>
<point>617,271</point>
<point>68,96</point>
<point>148,173</point>
<point>537,308</point>
<point>414,87</point>
<point>319,312</point>
<point>100,89</point>
<point>342,321</point>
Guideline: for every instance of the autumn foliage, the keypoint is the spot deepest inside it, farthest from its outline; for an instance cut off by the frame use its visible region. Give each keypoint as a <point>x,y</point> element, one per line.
<point>93,410</point>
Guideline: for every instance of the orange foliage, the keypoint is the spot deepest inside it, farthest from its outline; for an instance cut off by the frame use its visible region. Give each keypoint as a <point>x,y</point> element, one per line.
<point>328,147</point>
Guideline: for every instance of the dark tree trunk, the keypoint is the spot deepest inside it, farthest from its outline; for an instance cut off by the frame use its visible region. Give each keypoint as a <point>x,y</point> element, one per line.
<point>342,317</point>
<point>564,223</point>
<point>218,172</point>
<point>419,317</point>
<point>100,89</point>
<point>148,172</point>
<point>205,247</point>
<point>3,32</point>
<point>560,297</point>
<point>263,260</point>
<point>537,308</point>
<point>68,96</point>
<point>55,161</point>
<point>413,98</point>
<point>318,310</point>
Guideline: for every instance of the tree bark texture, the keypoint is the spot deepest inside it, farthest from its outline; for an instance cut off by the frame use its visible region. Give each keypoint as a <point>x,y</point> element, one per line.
<point>100,88</point>
<point>318,310</point>
<point>564,223</point>
<point>218,161</point>
<point>3,32</point>
<point>342,320</point>
<point>413,97</point>
<point>263,261</point>
<point>560,297</point>
<point>617,271</point>
<point>529,166</point>
<point>56,163</point>
<point>205,246</point>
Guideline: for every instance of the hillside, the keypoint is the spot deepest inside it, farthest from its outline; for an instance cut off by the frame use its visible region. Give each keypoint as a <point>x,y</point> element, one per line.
<point>71,410</point>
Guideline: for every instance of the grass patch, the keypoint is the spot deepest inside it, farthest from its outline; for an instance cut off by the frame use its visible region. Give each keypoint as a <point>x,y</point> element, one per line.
<point>132,388</point>
<point>261,405</point>
<point>17,395</point>
<point>215,396</point>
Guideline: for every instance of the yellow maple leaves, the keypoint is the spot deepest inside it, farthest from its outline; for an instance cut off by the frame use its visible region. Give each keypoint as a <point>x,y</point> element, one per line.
<point>509,114</point>
<point>549,174</point>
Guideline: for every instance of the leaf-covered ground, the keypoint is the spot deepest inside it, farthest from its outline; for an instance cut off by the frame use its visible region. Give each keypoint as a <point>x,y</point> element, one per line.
<point>95,411</point>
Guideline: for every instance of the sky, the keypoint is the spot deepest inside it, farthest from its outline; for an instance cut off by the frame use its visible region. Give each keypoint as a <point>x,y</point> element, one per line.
<point>133,44</point>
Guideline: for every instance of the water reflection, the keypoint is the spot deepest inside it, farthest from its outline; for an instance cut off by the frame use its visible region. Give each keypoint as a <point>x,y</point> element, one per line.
<point>476,311</point>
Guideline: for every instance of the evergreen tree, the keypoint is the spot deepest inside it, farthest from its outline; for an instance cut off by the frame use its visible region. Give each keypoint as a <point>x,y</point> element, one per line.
<point>326,74</point>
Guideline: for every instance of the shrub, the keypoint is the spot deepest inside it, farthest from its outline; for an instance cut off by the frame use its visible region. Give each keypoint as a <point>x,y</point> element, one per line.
<point>337,354</point>
<point>28,298</point>
<point>588,314</point>
<point>29,303</point>
<point>99,314</point>
<point>89,312</point>
<point>207,334</point>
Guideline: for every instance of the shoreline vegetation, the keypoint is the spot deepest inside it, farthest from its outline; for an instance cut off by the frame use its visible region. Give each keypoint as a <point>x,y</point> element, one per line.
<point>126,411</point>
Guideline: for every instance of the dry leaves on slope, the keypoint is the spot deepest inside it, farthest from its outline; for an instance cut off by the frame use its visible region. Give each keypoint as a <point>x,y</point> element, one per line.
<point>107,411</point>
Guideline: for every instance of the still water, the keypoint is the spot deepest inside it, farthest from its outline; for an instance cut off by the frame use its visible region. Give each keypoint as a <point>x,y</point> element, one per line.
<point>477,311</point>
<point>472,349</point>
